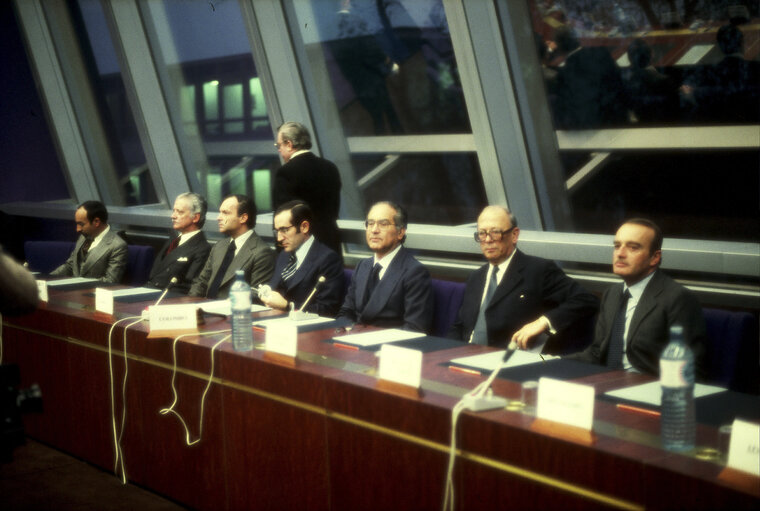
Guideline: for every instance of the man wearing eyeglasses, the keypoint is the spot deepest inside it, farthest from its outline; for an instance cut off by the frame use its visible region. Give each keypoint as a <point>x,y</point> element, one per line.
<point>301,264</point>
<point>241,250</point>
<point>391,289</point>
<point>305,176</point>
<point>516,296</point>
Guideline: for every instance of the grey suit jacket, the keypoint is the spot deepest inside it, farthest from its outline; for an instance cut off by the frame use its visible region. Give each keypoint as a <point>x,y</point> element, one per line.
<point>664,303</point>
<point>107,261</point>
<point>255,258</point>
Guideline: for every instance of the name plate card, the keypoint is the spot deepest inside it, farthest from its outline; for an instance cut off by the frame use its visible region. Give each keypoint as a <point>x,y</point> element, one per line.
<point>743,450</point>
<point>173,318</point>
<point>104,300</point>
<point>282,337</point>
<point>42,290</point>
<point>400,365</point>
<point>567,403</point>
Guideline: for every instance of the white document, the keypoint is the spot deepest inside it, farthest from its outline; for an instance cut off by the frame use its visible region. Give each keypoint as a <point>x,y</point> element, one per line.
<point>173,317</point>
<point>490,361</point>
<point>72,280</point>
<point>224,307</point>
<point>282,337</point>
<point>104,300</point>
<point>651,393</point>
<point>400,365</point>
<point>379,337</point>
<point>744,451</point>
<point>132,291</point>
<point>42,290</point>
<point>310,321</point>
<point>565,402</point>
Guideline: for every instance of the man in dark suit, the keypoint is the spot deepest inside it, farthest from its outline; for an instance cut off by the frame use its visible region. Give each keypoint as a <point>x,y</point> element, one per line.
<point>242,250</point>
<point>391,289</point>
<point>309,178</point>
<point>643,307</point>
<point>300,265</point>
<point>183,256</point>
<point>99,253</point>
<point>516,296</point>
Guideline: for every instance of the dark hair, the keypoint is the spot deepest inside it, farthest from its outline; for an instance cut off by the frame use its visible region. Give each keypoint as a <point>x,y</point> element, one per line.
<point>198,204</point>
<point>730,39</point>
<point>296,133</point>
<point>400,218</point>
<point>566,39</point>
<point>95,209</point>
<point>639,53</point>
<point>246,206</point>
<point>299,212</point>
<point>657,240</point>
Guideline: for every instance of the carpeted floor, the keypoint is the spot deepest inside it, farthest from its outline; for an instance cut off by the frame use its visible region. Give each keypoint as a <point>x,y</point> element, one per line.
<point>40,478</point>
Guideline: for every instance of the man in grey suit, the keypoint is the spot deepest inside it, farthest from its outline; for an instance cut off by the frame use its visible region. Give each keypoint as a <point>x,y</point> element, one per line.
<point>635,319</point>
<point>242,250</point>
<point>99,253</point>
<point>391,289</point>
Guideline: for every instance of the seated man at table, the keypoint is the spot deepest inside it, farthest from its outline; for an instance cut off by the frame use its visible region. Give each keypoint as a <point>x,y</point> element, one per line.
<point>241,250</point>
<point>303,261</point>
<point>99,253</point>
<point>183,256</point>
<point>391,289</point>
<point>636,315</point>
<point>516,296</point>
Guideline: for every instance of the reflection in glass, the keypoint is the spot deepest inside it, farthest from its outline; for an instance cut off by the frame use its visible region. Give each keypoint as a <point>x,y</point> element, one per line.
<point>215,90</point>
<point>129,163</point>
<point>390,64</point>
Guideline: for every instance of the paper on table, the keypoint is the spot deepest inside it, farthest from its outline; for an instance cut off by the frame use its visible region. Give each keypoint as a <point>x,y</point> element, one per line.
<point>136,291</point>
<point>490,361</point>
<point>284,319</point>
<point>224,307</point>
<point>650,393</point>
<point>378,337</point>
<point>67,282</point>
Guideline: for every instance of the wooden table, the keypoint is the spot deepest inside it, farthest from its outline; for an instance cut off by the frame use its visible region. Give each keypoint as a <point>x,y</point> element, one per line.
<point>317,433</point>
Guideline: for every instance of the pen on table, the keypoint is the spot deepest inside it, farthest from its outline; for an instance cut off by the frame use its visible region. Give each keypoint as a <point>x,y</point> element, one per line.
<point>345,346</point>
<point>636,409</point>
<point>465,371</point>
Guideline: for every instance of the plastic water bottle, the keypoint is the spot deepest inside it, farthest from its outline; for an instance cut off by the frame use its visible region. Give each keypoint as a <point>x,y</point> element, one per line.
<point>240,301</point>
<point>677,422</point>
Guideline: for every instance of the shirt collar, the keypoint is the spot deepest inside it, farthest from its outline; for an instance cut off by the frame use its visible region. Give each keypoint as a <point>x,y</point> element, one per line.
<point>299,152</point>
<point>638,288</point>
<point>387,258</point>
<point>303,250</point>
<point>97,239</point>
<point>185,236</point>
<point>240,240</point>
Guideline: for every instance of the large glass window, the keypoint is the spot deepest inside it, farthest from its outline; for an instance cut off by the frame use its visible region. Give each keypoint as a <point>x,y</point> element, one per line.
<point>651,103</point>
<point>216,97</point>
<point>124,171</point>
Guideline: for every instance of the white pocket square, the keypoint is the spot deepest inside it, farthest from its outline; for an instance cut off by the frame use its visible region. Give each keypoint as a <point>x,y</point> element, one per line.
<point>182,259</point>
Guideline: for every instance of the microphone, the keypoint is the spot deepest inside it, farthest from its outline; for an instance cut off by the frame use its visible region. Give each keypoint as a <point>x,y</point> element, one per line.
<point>173,281</point>
<point>320,280</point>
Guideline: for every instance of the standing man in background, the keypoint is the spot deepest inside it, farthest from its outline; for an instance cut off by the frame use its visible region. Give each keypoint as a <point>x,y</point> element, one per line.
<point>307,177</point>
<point>183,256</point>
<point>241,250</point>
<point>99,253</point>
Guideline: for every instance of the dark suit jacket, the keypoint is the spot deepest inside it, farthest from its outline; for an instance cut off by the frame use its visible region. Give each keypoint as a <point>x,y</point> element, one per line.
<point>663,303</point>
<point>402,298</point>
<point>532,287</point>
<point>319,261</point>
<point>255,258</point>
<point>316,181</point>
<point>107,261</point>
<point>184,262</point>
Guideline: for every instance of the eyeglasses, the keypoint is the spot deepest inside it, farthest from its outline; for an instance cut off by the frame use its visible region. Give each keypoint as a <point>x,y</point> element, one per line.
<point>277,145</point>
<point>382,224</point>
<point>495,234</point>
<point>282,230</point>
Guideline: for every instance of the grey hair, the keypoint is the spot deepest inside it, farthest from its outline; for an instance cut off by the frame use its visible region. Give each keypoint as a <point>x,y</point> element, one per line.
<point>198,204</point>
<point>296,133</point>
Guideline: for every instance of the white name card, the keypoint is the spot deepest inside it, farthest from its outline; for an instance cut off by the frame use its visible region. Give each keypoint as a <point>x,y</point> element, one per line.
<point>282,337</point>
<point>744,451</point>
<point>182,317</point>
<point>104,300</point>
<point>42,290</point>
<point>400,365</point>
<point>568,403</point>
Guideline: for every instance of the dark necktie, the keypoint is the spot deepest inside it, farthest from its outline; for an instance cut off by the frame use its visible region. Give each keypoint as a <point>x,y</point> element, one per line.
<point>213,290</point>
<point>480,332</point>
<point>290,268</point>
<point>374,278</point>
<point>617,342</point>
<point>174,244</point>
<point>83,251</point>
